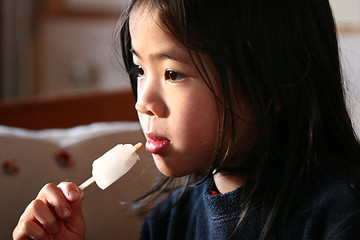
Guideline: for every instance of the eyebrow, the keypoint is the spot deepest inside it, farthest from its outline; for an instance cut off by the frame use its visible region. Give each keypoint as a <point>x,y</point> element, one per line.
<point>164,55</point>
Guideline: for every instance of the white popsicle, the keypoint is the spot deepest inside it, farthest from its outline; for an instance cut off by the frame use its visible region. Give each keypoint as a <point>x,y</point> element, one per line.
<point>112,165</point>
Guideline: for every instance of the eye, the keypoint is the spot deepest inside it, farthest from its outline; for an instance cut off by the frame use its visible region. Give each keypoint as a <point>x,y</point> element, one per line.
<point>173,76</point>
<point>139,72</point>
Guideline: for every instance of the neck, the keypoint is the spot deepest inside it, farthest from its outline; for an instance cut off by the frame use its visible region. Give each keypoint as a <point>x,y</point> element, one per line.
<point>226,182</point>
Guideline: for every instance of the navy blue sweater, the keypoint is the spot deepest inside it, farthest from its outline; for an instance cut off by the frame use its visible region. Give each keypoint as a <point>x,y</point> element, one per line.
<point>199,215</point>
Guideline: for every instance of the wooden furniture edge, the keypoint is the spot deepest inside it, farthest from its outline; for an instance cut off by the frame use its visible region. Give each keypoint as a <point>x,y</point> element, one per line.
<point>68,111</point>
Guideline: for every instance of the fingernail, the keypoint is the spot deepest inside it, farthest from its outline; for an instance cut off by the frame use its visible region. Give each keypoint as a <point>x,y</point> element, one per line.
<point>66,212</point>
<point>73,195</point>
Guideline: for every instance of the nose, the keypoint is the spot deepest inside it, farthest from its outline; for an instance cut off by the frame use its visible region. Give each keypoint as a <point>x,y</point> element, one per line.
<point>150,99</point>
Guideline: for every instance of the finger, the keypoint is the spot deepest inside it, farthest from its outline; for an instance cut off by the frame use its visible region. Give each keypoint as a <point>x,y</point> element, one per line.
<point>44,216</point>
<point>54,197</point>
<point>70,191</point>
<point>73,194</point>
<point>29,230</point>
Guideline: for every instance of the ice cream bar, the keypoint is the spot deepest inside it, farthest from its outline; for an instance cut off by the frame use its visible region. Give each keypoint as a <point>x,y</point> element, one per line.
<point>112,165</point>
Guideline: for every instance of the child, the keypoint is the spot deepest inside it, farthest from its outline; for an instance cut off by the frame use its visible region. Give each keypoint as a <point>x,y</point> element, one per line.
<point>247,95</point>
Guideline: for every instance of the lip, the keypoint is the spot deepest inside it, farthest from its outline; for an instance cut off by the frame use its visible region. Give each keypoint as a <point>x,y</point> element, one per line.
<point>156,144</point>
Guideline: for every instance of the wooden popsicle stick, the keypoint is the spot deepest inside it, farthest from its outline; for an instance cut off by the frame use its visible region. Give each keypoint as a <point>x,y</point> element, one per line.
<point>87,183</point>
<point>137,146</point>
<point>91,180</point>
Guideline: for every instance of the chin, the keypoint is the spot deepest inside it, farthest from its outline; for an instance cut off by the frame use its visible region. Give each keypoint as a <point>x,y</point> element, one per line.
<point>169,170</point>
<point>176,171</point>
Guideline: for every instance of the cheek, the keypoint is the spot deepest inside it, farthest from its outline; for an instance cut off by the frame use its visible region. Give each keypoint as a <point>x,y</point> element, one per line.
<point>197,122</point>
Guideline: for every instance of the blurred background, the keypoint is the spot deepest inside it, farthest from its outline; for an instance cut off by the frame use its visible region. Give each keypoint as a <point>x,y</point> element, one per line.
<point>52,47</point>
<point>58,66</point>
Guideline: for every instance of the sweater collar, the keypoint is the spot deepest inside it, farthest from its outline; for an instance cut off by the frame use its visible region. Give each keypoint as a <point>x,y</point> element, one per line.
<point>221,204</point>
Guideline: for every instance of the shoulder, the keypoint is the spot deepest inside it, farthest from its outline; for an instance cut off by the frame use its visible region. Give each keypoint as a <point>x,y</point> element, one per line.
<point>335,210</point>
<point>339,191</point>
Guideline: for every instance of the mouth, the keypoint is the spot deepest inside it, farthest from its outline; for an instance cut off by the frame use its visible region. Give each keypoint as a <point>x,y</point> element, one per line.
<point>156,144</point>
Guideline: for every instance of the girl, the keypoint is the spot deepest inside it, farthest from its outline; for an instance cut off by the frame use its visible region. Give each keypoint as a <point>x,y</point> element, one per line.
<point>244,99</point>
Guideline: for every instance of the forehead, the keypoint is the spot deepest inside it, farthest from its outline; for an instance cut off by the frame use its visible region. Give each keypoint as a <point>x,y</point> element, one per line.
<point>144,16</point>
<point>150,37</point>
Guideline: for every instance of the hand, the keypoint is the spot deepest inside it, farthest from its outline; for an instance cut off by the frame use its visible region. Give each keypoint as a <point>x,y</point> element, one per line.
<point>54,214</point>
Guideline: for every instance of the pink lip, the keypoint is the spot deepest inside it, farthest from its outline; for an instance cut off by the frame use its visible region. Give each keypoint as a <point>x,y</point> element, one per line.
<point>156,145</point>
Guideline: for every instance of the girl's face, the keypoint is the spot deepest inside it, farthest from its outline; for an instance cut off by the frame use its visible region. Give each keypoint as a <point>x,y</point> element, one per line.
<point>176,108</point>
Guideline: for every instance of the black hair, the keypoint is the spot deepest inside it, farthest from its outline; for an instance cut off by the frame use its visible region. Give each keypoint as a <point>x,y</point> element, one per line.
<point>278,55</point>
